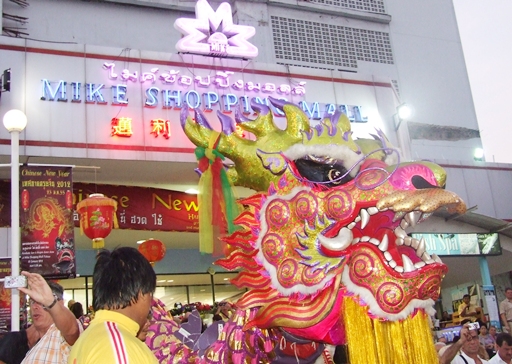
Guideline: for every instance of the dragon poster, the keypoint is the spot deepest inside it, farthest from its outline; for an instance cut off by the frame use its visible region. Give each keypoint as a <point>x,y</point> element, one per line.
<point>46,218</point>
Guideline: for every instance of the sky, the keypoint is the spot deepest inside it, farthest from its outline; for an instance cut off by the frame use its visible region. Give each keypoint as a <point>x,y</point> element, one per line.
<point>486,33</point>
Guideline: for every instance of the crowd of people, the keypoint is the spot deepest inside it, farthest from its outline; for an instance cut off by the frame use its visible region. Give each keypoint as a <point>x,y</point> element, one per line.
<point>116,329</point>
<point>477,346</point>
<point>124,307</point>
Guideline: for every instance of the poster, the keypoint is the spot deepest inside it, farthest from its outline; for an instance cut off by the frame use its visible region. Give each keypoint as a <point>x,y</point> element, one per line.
<point>46,219</point>
<point>492,305</point>
<point>5,297</point>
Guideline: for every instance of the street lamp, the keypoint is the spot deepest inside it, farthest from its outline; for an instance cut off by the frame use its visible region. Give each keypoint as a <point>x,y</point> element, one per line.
<point>478,155</point>
<point>15,122</point>
<point>404,113</point>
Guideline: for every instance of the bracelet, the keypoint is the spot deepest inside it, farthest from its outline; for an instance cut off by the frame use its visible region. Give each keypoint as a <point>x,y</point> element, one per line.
<point>55,299</point>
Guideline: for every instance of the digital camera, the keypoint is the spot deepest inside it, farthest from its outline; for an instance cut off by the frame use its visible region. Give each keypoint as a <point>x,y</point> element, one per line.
<point>15,282</point>
<point>473,325</point>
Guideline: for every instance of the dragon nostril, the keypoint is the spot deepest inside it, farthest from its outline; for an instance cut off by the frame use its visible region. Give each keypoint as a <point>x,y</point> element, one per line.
<point>421,183</point>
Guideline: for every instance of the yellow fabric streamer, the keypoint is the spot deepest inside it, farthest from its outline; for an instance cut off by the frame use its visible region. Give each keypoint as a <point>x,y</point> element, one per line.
<point>204,200</point>
<point>359,330</point>
<point>384,342</point>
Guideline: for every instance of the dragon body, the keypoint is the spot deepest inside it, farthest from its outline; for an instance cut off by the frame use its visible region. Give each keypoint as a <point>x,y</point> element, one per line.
<point>323,249</point>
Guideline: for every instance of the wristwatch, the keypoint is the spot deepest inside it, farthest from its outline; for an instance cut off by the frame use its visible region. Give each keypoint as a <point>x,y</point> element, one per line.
<point>50,306</point>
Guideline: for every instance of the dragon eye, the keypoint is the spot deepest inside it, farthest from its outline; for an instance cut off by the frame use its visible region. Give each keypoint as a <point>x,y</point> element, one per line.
<point>328,175</point>
<point>334,176</point>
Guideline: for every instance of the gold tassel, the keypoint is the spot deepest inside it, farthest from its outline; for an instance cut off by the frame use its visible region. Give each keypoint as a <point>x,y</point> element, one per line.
<point>98,243</point>
<point>387,342</point>
<point>359,330</point>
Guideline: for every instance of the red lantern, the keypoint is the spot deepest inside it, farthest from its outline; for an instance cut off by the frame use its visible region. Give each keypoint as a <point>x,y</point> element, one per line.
<point>153,250</point>
<point>97,218</point>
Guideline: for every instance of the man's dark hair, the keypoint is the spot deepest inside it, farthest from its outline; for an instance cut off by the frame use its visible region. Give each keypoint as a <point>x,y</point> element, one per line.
<point>503,337</point>
<point>56,289</point>
<point>77,309</point>
<point>508,289</point>
<point>466,295</point>
<point>119,277</point>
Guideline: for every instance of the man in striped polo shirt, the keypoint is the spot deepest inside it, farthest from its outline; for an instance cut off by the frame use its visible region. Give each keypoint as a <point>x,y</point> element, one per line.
<point>123,286</point>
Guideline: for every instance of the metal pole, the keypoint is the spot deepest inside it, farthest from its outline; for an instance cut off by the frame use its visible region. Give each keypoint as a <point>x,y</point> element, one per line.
<point>15,227</point>
<point>213,288</point>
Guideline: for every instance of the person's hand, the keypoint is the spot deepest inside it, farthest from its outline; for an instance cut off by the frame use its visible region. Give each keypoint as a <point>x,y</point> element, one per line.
<point>38,289</point>
<point>464,334</point>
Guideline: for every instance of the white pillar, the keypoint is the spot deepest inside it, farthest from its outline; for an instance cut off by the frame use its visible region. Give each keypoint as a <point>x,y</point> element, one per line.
<point>15,226</point>
<point>15,122</point>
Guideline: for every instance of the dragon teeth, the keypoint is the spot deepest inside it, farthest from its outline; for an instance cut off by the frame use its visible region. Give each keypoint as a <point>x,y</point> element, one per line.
<point>383,246</point>
<point>436,258</point>
<point>408,240</point>
<point>365,218</point>
<point>400,232</point>
<point>399,269</point>
<point>415,243</point>
<point>398,216</point>
<point>388,256</point>
<point>351,225</point>
<point>392,264</point>
<point>372,210</point>
<point>408,264</point>
<point>404,224</point>
<point>421,248</point>
<point>420,264</point>
<point>365,238</point>
<point>425,257</point>
<point>412,217</point>
<point>399,241</point>
<point>375,241</point>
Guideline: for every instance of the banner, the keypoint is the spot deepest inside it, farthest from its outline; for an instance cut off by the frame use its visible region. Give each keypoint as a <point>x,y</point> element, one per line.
<point>492,305</point>
<point>141,208</point>
<point>46,220</point>
<point>5,297</point>
<point>454,244</point>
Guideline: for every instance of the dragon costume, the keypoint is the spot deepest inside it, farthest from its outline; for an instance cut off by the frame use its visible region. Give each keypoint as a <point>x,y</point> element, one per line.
<point>322,246</point>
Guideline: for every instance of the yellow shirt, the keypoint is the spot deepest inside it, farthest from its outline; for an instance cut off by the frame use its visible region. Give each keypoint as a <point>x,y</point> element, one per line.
<point>111,339</point>
<point>472,308</point>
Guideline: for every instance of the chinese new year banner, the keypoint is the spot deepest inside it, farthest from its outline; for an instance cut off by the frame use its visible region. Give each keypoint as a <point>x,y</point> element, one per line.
<point>142,208</point>
<point>46,218</point>
<point>138,208</point>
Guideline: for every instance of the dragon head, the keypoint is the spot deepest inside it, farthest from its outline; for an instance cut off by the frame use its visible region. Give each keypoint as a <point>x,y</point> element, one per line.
<point>329,222</point>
